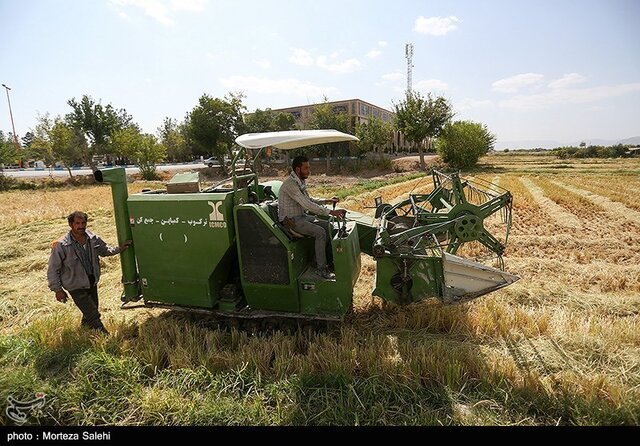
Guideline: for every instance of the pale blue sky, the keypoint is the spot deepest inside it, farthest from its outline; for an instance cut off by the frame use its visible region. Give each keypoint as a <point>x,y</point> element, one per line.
<point>562,70</point>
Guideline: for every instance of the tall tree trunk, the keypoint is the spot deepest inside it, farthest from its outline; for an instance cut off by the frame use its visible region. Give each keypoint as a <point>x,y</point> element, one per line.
<point>70,174</point>
<point>328,160</point>
<point>422,164</point>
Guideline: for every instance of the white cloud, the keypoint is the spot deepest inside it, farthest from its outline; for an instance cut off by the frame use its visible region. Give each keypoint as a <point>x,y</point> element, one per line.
<point>395,81</point>
<point>159,10</point>
<point>263,63</point>
<point>396,76</point>
<point>431,84</point>
<point>123,15</point>
<point>469,104</point>
<point>435,26</point>
<point>330,63</point>
<point>290,86</point>
<point>375,52</point>
<point>217,55</point>
<point>391,80</point>
<point>189,5</point>
<point>566,80</point>
<point>514,83</point>
<point>560,96</point>
<point>301,57</point>
<point>155,9</point>
<point>347,66</point>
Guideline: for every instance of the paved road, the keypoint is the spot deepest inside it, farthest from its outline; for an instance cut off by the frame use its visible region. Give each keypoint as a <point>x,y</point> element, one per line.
<point>33,173</point>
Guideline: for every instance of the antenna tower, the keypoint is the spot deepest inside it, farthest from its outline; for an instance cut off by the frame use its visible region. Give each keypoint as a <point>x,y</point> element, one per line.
<point>408,52</point>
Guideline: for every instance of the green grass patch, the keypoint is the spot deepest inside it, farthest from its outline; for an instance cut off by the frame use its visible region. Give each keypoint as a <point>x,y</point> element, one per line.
<point>366,186</point>
<point>90,379</point>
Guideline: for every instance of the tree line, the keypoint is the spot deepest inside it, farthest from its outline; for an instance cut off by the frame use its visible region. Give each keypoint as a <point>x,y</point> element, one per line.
<point>91,131</point>
<point>617,151</point>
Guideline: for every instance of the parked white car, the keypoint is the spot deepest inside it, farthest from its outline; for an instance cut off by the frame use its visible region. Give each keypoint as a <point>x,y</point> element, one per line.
<point>210,162</point>
<point>213,161</point>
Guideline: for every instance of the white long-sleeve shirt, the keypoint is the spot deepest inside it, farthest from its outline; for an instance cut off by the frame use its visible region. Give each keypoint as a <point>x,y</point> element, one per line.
<point>293,199</point>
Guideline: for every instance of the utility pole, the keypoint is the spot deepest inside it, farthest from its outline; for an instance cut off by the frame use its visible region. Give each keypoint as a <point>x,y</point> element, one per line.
<point>15,137</point>
<point>408,52</point>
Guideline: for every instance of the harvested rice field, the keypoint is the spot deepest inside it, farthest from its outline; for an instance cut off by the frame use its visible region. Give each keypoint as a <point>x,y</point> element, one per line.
<point>561,346</point>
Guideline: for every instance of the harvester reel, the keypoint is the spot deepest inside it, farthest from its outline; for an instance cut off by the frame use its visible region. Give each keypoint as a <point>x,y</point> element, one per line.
<point>468,228</point>
<point>426,231</point>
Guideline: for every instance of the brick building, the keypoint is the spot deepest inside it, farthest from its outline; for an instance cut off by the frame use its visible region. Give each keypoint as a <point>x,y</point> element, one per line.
<point>359,112</point>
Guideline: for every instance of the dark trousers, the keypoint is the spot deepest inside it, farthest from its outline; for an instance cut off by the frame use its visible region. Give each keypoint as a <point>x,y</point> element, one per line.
<point>87,301</point>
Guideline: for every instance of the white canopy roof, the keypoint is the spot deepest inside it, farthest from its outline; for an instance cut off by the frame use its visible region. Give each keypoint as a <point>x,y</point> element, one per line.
<point>292,139</point>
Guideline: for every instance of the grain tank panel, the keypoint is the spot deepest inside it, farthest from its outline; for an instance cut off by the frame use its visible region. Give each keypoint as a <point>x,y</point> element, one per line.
<point>185,245</point>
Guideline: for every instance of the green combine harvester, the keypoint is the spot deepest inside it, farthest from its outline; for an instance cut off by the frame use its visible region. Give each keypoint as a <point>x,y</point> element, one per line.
<point>222,250</point>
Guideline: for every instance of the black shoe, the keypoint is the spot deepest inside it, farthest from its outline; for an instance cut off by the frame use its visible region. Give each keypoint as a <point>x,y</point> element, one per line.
<point>325,273</point>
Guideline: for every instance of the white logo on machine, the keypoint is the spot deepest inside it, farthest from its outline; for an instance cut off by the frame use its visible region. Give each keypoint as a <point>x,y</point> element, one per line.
<point>216,217</point>
<point>215,220</point>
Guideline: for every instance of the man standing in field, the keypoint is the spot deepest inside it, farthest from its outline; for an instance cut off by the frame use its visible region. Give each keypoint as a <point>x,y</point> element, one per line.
<point>74,266</point>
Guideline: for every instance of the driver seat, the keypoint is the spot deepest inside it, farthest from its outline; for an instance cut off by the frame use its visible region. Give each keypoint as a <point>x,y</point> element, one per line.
<point>271,208</point>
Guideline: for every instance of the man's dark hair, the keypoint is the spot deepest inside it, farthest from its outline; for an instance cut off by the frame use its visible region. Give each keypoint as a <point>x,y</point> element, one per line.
<point>79,214</point>
<point>297,161</point>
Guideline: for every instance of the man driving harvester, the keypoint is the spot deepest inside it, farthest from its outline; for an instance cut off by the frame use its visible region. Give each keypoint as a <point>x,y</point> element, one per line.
<point>294,200</point>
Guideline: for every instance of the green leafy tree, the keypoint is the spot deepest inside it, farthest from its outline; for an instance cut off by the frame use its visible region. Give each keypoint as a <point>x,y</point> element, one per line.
<point>16,155</point>
<point>142,148</point>
<point>68,146</point>
<point>7,157</point>
<point>213,125</point>
<point>462,143</point>
<point>41,146</point>
<point>26,143</point>
<point>324,117</point>
<point>373,134</point>
<point>97,123</point>
<point>55,140</point>
<point>269,121</point>
<point>27,139</point>
<point>284,121</point>
<point>421,119</point>
<point>148,155</point>
<point>172,138</point>
<point>7,150</point>
<point>260,121</point>
<point>617,151</point>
